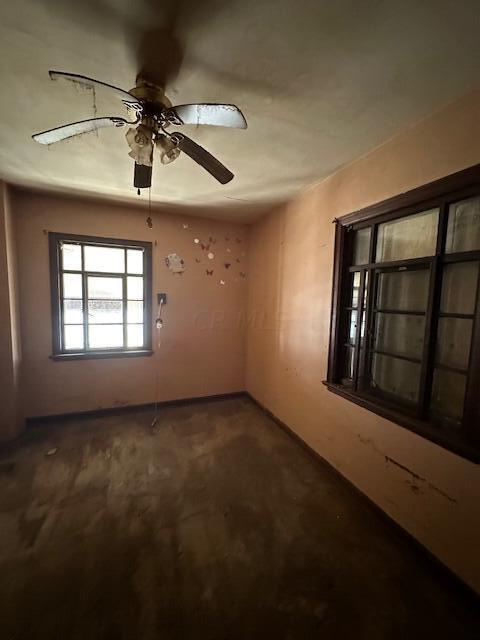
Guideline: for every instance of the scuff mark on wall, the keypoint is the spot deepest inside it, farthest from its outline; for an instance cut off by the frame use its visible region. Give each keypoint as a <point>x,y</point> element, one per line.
<point>414,487</point>
<point>369,441</point>
<point>415,480</point>
<point>442,493</point>
<point>401,466</point>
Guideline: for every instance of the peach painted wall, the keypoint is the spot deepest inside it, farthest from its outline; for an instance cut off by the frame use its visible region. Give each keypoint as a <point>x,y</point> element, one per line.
<point>202,350</point>
<point>291,262</point>
<point>11,421</point>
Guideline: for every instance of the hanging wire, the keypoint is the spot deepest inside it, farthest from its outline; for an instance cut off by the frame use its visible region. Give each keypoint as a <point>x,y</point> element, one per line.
<point>158,326</point>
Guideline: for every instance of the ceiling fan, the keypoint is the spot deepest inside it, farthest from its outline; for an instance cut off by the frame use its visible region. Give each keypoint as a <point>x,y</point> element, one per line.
<point>154,114</point>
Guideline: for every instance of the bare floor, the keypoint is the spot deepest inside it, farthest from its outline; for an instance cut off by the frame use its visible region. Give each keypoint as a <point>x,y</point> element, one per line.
<point>215,524</point>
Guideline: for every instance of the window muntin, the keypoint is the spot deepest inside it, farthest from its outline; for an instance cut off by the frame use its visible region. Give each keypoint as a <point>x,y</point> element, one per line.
<point>416,290</point>
<point>101,295</point>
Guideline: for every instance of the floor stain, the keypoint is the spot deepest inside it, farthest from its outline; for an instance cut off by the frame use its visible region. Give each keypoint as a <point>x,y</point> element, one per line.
<point>215,524</point>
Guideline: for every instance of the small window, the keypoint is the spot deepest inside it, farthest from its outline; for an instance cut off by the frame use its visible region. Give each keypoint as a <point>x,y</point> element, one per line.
<point>405,338</point>
<point>101,296</point>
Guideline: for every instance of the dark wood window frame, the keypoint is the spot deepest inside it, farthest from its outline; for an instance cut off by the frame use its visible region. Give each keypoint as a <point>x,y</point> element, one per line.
<point>439,194</point>
<point>56,270</point>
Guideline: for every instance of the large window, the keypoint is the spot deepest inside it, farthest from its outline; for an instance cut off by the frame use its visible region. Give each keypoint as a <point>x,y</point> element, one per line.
<point>405,334</point>
<point>101,296</point>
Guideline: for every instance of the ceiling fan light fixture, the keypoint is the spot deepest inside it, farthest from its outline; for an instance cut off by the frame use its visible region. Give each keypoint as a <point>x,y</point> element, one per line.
<point>168,150</point>
<point>139,140</point>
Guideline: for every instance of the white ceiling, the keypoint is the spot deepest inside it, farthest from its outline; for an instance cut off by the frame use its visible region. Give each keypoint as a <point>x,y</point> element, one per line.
<point>319,82</point>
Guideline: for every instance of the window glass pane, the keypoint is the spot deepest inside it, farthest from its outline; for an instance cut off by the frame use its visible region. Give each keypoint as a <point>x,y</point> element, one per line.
<point>361,246</point>
<point>448,394</point>
<point>410,237</point>
<point>365,289</point>
<point>352,326</point>
<point>104,259</point>
<point>400,334</point>
<point>405,290</point>
<point>362,329</point>
<point>72,285</point>
<point>397,377</point>
<point>463,233</point>
<point>348,362</point>
<point>105,336</point>
<point>459,287</point>
<point>135,335</point>
<point>134,311</point>
<point>135,260</point>
<point>73,311</point>
<point>355,288</point>
<point>453,342</point>
<point>105,288</point>
<point>134,288</point>
<point>105,311</point>
<point>71,256</point>
<point>73,336</point>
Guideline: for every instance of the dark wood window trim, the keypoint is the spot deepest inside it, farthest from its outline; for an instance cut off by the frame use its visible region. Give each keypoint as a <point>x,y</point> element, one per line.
<point>439,194</point>
<point>58,352</point>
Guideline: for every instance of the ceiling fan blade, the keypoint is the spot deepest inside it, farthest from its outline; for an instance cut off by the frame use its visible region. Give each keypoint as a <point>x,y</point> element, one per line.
<point>126,97</point>
<point>220,115</point>
<point>77,128</point>
<point>202,157</point>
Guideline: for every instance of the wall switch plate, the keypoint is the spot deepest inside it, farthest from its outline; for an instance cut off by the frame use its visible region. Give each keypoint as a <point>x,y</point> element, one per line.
<point>161,298</point>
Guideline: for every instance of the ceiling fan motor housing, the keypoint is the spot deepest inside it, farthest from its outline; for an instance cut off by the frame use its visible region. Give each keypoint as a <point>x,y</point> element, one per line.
<point>152,96</point>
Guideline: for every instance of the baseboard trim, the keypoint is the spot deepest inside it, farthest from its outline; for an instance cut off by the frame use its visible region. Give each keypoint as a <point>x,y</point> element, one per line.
<point>443,570</point>
<point>130,408</point>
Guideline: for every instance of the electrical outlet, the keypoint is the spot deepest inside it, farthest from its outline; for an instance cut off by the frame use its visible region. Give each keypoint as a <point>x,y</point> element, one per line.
<point>161,298</point>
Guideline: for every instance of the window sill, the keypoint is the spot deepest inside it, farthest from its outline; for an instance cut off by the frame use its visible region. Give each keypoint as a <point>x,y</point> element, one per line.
<point>444,439</point>
<point>97,355</point>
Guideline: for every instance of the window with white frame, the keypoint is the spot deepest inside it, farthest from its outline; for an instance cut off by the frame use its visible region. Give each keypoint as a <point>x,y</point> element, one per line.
<point>101,296</point>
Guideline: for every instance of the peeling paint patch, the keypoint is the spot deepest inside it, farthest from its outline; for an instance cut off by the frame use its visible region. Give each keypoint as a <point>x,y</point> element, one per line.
<point>175,263</point>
